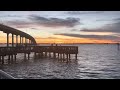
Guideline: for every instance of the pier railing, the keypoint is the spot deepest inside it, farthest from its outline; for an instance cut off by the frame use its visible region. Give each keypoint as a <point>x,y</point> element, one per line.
<point>57,49</point>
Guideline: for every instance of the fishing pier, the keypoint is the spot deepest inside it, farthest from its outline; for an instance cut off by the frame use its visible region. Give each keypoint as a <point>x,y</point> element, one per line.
<point>26,44</point>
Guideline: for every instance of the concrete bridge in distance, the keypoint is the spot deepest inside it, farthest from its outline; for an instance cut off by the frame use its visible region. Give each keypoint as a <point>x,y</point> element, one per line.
<point>26,44</point>
<point>24,38</point>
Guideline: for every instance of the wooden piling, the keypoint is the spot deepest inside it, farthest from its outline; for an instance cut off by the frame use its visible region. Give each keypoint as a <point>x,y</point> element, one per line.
<point>42,55</point>
<point>58,55</point>
<point>2,59</point>
<point>49,54</point>
<point>28,56</point>
<point>45,54</point>
<point>63,56</point>
<point>8,59</point>
<point>54,55</point>
<point>35,55</point>
<point>39,55</point>
<point>69,56</point>
<point>76,56</point>
<point>11,58</point>
<point>15,57</point>
<point>24,56</point>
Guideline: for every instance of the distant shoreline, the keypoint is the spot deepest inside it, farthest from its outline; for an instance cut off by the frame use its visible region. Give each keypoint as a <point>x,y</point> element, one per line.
<point>69,43</point>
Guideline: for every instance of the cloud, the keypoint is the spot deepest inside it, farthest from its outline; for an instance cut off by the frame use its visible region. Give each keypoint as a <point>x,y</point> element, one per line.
<point>19,23</point>
<point>73,30</point>
<point>114,28</point>
<point>117,19</point>
<point>114,20</point>
<point>100,37</point>
<point>4,16</point>
<point>83,12</point>
<point>47,38</point>
<point>104,20</point>
<point>34,20</point>
<point>34,28</point>
<point>52,38</point>
<point>54,22</point>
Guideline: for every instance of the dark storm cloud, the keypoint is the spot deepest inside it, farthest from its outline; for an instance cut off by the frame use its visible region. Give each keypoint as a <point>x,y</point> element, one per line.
<point>54,22</point>
<point>83,12</point>
<point>100,37</point>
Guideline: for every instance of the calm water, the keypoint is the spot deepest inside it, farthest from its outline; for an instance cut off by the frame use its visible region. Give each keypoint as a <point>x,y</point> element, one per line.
<point>94,62</point>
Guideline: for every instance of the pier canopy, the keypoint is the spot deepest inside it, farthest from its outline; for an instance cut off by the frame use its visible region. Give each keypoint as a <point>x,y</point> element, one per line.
<point>10,30</point>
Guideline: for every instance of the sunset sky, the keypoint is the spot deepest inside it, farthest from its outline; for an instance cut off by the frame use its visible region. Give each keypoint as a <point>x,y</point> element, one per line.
<point>65,26</point>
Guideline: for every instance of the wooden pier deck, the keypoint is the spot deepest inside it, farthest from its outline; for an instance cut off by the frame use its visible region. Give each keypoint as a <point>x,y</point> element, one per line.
<point>57,52</point>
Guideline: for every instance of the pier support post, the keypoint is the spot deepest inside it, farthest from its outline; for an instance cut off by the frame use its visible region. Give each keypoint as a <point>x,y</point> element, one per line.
<point>20,40</point>
<point>24,56</point>
<point>29,41</point>
<point>16,40</point>
<point>54,55</point>
<point>42,54</point>
<point>7,39</point>
<point>35,55</point>
<point>76,56</point>
<point>2,59</point>
<point>28,56</point>
<point>45,54</point>
<point>39,55</point>
<point>26,41</point>
<point>12,40</point>
<point>58,55</point>
<point>12,58</point>
<point>49,55</point>
<point>8,59</point>
<point>69,56</point>
<point>15,57</point>
<point>63,56</point>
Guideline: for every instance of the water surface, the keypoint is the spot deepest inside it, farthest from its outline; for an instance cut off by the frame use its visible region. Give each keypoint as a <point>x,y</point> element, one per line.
<point>95,61</point>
